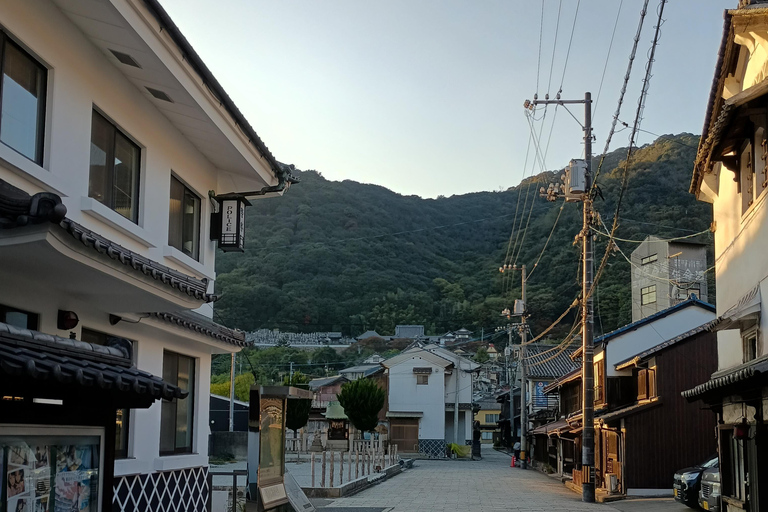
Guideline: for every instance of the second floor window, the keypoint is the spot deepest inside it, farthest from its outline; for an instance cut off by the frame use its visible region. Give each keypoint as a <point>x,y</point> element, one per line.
<point>422,380</point>
<point>19,318</point>
<point>599,375</point>
<point>22,100</point>
<point>114,173</point>
<point>184,223</point>
<point>649,259</point>
<point>648,295</point>
<point>749,344</point>
<point>491,418</point>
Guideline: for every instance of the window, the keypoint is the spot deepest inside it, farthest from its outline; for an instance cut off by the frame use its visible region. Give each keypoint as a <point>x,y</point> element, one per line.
<point>749,344</point>
<point>684,292</point>
<point>19,318</point>
<point>22,100</point>
<point>648,295</point>
<point>746,176</point>
<point>642,383</point>
<point>486,436</point>
<point>177,416</point>
<point>733,470</point>
<point>114,172</point>
<point>422,380</point>
<point>184,225</point>
<point>491,418</point>
<point>652,391</point>
<point>649,259</point>
<point>599,377</point>
<point>122,422</point>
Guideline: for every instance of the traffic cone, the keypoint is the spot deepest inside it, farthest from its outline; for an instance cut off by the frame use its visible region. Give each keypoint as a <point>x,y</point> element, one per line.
<point>512,462</point>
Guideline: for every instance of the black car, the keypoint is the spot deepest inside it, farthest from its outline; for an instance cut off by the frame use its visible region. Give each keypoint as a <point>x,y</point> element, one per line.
<point>688,481</point>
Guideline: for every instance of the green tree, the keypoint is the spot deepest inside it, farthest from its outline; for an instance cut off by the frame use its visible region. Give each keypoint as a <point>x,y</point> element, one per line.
<point>362,400</point>
<point>481,356</point>
<point>297,410</point>
<point>242,386</point>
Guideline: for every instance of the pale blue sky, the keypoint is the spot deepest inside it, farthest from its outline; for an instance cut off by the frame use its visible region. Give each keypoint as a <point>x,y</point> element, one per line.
<point>425,96</point>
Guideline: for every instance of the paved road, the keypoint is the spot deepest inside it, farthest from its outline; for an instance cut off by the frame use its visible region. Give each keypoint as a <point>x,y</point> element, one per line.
<point>489,485</point>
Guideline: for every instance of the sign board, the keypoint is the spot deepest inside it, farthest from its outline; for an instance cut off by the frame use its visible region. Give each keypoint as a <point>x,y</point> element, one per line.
<point>232,225</point>
<point>540,399</point>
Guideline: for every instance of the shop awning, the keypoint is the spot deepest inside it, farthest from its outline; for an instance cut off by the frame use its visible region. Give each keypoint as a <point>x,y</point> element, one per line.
<point>46,366</point>
<point>551,428</point>
<point>746,309</point>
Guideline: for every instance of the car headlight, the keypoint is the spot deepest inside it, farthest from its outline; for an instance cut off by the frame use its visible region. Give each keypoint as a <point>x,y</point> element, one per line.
<point>689,477</point>
<point>715,489</point>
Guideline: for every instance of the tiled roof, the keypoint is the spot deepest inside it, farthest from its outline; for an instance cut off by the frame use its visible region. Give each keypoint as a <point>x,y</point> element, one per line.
<point>62,361</point>
<point>205,326</point>
<point>735,376</point>
<point>549,361</point>
<point>197,288</point>
<point>691,301</point>
<point>326,381</point>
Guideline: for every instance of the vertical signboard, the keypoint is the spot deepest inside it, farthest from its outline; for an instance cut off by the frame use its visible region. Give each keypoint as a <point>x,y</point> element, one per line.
<point>232,235</point>
<point>540,397</point>
<point>272,451</point>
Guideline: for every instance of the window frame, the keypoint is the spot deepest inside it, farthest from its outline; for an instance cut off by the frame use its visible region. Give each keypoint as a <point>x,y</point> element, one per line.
<point>197,253</point>
<point>749,336</point>
<point>192,397</point>
<point>599,381</point>
<point>121,451</point>
<point>4,310</point>
<point>651,290</point>
<point>117,129</point>
<point>422,379</point>
<point>649,259</point>
<point>42,106</point>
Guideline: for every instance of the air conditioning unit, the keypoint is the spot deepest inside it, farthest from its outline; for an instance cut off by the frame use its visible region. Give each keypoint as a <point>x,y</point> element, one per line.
<point>613,482</point>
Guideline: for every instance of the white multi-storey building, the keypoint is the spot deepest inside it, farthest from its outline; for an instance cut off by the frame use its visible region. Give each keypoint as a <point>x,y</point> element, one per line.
<point>425,384</point>
<point>117,145</point>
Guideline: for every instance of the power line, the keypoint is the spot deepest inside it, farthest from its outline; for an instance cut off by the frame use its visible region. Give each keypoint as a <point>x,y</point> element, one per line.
<point>607,58</point>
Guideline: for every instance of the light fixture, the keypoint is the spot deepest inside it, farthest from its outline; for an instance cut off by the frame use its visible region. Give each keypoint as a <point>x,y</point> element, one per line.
<point>66,320</point>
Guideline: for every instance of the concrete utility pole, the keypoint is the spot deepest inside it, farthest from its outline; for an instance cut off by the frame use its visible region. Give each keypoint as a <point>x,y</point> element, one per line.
<point>523,379</point>
<point>587,312</point>
<point>232,393</point>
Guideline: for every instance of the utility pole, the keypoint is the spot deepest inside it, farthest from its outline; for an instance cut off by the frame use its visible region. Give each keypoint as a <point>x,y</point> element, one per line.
<point>290,376</point>
<point>232,393</point>
<point>587,312</point>
<point>523,380</point>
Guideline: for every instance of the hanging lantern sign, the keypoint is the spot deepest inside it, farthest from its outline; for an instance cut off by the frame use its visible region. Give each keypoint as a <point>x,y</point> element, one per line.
<point>228,224</point>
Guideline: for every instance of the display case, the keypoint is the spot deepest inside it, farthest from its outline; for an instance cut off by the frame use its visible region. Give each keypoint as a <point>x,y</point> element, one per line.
<point>51,469</point>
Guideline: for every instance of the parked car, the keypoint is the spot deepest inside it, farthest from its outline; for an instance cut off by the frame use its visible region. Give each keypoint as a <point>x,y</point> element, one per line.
<point>709,494</point>
<point>687,482</point>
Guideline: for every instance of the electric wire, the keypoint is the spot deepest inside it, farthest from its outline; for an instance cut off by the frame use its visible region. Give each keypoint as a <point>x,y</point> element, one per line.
<point>607,58</point>
<point>570,42</point>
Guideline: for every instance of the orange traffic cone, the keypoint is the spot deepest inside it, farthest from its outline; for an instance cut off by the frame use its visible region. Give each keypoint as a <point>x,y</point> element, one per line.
<point>512,462</point>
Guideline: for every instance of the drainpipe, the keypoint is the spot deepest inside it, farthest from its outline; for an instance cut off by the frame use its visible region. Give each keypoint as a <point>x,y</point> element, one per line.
<point>456,406</point>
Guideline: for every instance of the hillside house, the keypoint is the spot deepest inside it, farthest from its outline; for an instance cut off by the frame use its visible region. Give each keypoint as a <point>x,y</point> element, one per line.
<point>730,173</point>
<point>112,133</point>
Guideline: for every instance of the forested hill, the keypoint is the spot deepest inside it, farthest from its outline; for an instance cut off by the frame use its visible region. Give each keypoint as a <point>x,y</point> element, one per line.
<point>346,256</point>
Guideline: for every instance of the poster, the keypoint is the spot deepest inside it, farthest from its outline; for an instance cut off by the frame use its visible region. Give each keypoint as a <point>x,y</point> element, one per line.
<point>76,479</point>
<point>41,475</point>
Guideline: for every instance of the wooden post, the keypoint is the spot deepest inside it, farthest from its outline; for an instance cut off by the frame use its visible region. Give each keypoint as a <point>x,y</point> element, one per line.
<point>349,466</point>
<point>369,463</point>
<point>313,468</point>
<point>341,468</point>
<point>322,474</point>
<point>331,479</point>
<point>357,465</point>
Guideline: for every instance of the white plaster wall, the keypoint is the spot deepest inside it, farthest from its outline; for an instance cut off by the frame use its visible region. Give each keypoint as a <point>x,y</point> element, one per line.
<point>407,396</point>
<point>150,338</point>
<point>80,76</point>
<point>651,334</point>
<point>740,246</point>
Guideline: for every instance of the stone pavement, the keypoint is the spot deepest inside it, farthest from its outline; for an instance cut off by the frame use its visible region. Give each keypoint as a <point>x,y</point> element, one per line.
<point>489,485</point>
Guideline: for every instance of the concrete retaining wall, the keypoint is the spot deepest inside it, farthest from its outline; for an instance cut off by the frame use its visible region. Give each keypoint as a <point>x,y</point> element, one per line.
<point>226,444</point>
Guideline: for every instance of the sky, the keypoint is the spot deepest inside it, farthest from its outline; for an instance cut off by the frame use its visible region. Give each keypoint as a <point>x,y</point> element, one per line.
<point>426,97</point>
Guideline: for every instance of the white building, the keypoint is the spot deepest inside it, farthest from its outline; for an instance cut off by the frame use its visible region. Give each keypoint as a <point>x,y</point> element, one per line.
<point>730,172</point>
<point>106,108</point>
<point>424,385</point>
